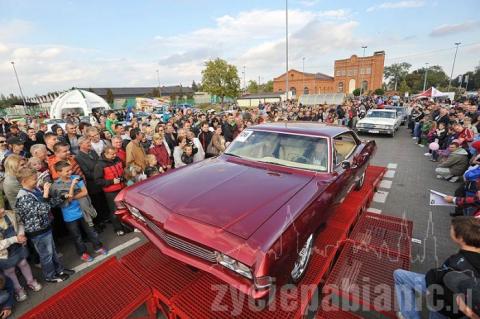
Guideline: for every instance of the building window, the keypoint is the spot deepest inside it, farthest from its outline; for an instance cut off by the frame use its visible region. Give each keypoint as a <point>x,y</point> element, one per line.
<point>340,87</point>
<point>368,70</point>
<point>362,71</point>
<point>344,72</point>
<point>349,72</point>
<point>364,86</point>
<point>293,90</point>
<point>338,73</point>
<point>305,90</point>
<point>279,90</point>
<point>355,72</point>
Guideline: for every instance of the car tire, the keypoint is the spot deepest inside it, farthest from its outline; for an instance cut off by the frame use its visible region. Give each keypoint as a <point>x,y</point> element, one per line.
<point>303,259</point>
<point>392,134</point>
<point>360,182</point>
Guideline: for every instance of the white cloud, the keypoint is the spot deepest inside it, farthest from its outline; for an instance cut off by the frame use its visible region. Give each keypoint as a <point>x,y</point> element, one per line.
<point>14,29</point>
<point>3,48</point>
<point>448,29</point>
<point>50,53</point>
<point>308,3</point>
<point>398,5</point>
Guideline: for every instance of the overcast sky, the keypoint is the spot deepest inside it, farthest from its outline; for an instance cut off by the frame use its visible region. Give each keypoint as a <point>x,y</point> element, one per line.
<point>60,44</point>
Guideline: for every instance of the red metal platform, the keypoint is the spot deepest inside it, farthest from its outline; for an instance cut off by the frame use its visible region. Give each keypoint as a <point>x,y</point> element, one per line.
<point>385,232</point>
<point>114,289</point>
<point>358,268</point>
<point>109,291</point>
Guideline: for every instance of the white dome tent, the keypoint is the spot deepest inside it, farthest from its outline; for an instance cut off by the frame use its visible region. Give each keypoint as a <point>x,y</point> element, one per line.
<point>76,100</point>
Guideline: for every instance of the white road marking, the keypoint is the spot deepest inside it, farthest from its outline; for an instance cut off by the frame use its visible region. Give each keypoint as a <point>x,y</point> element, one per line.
<point>389,174</point>
<point>380,197</point>
<point>112,251</point>
<point>392,165</point>
<point>385,184</point>
<point>416,241</point>
<point>374,210</point>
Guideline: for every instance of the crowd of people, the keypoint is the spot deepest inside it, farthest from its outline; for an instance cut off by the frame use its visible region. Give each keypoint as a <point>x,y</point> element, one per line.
<point>451,133</point>
<point>63,181</point>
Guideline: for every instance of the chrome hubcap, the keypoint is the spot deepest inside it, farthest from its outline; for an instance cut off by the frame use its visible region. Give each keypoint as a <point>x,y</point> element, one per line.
<point>302,260</point>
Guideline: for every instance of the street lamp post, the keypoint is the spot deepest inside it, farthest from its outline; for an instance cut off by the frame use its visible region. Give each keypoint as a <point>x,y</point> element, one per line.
<point>19,86</point>
<point>426,75</point>
<point>158,81</point>
<point>360,77</point>
<point>286,48</point>
<point>244,83</point>
<point>453,65</point>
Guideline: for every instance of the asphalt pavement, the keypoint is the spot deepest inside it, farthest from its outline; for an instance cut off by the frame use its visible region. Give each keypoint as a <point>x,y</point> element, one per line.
<point>404,192</point>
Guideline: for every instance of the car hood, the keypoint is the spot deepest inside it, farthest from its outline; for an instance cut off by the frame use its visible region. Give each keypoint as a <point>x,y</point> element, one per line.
<point>377,120</point>
<point>234,197</point>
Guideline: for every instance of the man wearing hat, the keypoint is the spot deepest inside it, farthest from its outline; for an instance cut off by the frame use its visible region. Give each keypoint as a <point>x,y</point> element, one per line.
<point>15,146</point>
<point>467,292</point>
<point>16,132</point>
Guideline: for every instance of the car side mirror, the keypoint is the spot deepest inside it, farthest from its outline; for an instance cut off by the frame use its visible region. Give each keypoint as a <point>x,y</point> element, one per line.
<point>346,165</point>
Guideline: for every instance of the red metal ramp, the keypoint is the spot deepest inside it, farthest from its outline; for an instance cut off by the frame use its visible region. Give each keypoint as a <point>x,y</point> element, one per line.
<point>358,268</point>
<point>384,232</point>
<point>166,276</point>
<point>109,291</point>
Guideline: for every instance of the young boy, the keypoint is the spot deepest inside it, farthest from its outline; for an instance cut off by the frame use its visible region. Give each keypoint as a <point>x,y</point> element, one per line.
<point>72,212</point>
<point>465,232</point>
<point>34,206</point>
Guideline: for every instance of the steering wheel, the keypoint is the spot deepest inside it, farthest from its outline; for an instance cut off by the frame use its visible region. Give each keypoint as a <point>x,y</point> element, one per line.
<point>300,158</point>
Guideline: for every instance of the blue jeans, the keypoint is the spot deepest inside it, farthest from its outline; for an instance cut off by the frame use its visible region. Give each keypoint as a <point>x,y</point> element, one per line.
<point>417,130</point>
<point>407,284</point>
<point>45,246</point>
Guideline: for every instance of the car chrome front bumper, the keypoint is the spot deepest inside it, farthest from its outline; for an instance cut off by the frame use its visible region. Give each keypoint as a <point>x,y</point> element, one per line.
<point>243,284</point>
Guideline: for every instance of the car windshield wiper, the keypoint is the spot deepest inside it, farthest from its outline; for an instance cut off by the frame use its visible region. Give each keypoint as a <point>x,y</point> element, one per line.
<point>235,155</point>
<point>273,162</point>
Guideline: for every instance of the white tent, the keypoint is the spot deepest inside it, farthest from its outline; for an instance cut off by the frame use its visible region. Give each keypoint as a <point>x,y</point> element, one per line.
<point>76,100</point>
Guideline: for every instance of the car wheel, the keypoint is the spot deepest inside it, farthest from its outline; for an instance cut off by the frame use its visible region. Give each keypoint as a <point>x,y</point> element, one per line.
<point>360,182</point>
<point>392,134</point>
<point>301,264</point>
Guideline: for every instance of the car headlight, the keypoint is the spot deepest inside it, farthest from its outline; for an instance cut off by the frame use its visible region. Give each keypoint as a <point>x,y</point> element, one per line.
<point>135,212</point>
<point>234,265</point>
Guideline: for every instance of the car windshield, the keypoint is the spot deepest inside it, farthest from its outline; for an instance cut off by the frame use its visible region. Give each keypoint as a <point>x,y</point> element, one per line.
<point>381,114</point>
<point>297,151</point>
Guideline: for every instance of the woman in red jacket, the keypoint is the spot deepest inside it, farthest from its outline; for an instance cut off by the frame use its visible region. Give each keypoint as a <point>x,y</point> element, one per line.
<point>161,151</point>
<point>108,174</point>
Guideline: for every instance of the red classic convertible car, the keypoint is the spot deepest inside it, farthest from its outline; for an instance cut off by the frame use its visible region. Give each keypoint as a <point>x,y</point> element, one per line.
<point>250,216</point>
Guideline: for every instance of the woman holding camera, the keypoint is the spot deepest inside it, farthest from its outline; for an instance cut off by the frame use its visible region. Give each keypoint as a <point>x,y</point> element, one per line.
<point>108,174</point>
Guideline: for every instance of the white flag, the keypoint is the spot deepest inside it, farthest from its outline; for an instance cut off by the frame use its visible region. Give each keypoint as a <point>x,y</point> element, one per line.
<point>466,78</point>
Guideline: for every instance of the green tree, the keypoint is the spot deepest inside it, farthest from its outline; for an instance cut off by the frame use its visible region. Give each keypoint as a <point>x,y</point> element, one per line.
<point>379,91</point>
<point>156,92</point>
<point>396,73</point>
<point>253,87</point>
<point>194,86</point>
<point>435,77</point>
<point>403,87</point>
<point>221,79</point>
<point>356,92</point>
<point>267,87</point>
<point>109,97</point>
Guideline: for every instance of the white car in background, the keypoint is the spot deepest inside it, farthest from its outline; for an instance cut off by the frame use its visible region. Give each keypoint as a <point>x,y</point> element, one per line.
<point>379,121</point>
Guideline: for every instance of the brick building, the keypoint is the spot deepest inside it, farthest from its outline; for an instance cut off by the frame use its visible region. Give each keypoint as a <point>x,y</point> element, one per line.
<point>349,74</point>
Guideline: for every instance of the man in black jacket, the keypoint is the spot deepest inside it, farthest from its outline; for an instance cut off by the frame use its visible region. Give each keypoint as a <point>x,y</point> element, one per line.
<point>229,128</point>
<point>87,159</point>
<point>465,232</point>
<point>205,137</point>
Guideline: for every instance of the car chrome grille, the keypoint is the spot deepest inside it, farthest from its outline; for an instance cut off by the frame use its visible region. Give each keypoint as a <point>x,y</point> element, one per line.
<point>183,245</point>
<point>368,126</point>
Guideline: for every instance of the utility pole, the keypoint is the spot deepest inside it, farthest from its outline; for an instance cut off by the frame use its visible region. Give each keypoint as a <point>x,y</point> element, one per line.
<point>286,48</point>
<point>360,77</point>
<point>426,75</point>
<point>19,86</point>
<point>453,65</point>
